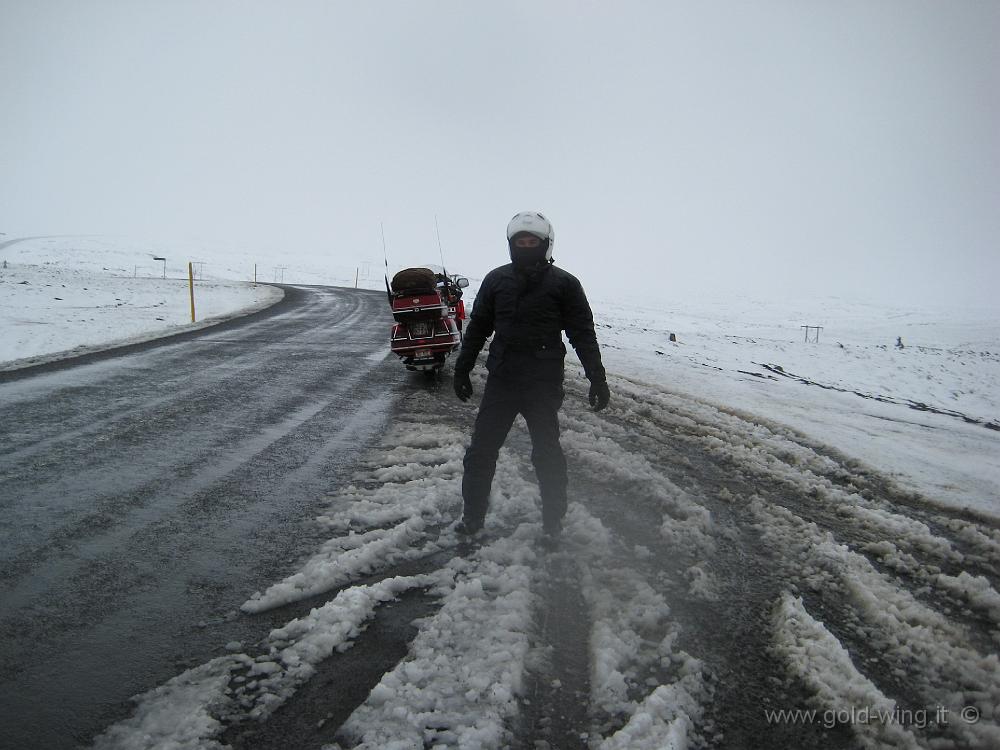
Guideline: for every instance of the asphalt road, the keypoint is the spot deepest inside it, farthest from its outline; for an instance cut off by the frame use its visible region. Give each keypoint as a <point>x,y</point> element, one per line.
<point>146,493</point>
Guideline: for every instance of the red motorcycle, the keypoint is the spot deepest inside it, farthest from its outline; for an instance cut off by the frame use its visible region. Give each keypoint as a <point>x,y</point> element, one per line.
<point>428,311</point>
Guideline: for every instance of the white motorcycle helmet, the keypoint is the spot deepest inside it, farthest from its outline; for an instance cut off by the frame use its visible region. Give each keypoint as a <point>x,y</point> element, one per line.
<point>531,222</point>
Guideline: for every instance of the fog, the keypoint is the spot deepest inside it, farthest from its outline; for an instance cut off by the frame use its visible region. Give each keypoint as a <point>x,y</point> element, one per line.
<point>766,148</point>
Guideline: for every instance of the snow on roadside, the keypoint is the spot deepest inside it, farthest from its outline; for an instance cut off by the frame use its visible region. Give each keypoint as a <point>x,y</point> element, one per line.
<point>773,454</point>
<point>299,646</point>
<point>960,670</point>
<point>49,312</point>
<point>596,446</point>
<point>662,721</point>
<point>764,448</point>
<point>939,657</point>
<point>343,560</point>
<point>815,657</point>
<point>459,684</point>
<point>417,492</point>
<point>977,592</point>
<point>950,361</point>
<point>194,708</point>
<point>464,675</point>
<point>407,515</point>
<point>644,693</point>
<point>182,713</point>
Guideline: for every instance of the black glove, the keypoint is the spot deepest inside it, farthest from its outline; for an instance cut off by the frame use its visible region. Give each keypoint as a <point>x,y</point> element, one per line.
<point>463,386</point>
<point>600,394</point>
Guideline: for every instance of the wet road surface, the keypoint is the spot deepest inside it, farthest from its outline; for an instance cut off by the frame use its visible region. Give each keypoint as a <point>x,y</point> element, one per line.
<point>145,494</point>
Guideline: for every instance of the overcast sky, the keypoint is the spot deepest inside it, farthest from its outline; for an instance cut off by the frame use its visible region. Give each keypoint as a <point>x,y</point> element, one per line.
<point>797,147</point>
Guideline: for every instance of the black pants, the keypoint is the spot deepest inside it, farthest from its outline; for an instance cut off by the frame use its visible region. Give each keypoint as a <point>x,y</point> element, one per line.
<point>503,400</point>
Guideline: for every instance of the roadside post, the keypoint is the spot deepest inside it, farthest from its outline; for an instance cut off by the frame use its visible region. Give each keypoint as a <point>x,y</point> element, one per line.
<point>155,257</point>
<point>191,287</point>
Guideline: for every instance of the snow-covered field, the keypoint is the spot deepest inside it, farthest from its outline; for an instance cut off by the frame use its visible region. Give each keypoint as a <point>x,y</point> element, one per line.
<point>759,524</point>
<point>70,296</point>
<point>926,414</point>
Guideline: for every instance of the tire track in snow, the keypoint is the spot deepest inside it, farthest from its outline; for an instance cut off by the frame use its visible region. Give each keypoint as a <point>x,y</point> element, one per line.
<point>558,684</point>
<point>340,683</point>
<point>779,453</point>
<point>709,566</point>
<point>953,556</point>
<point>713,566</point>
<point>917,654</point>
<point>773,480</point>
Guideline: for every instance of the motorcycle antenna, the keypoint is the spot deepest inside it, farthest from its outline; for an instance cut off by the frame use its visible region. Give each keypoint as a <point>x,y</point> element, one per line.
<point>444,269</point>
<point>385,255</point>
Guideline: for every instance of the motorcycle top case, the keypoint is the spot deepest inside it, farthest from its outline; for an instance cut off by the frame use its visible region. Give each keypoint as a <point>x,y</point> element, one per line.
<point>418,307</point>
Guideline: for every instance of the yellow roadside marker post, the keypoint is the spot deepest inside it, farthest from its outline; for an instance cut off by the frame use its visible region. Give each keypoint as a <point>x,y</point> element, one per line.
<point>191,287</point>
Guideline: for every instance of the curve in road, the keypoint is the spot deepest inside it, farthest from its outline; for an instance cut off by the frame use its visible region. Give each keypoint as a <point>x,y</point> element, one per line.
<point>145,494</point>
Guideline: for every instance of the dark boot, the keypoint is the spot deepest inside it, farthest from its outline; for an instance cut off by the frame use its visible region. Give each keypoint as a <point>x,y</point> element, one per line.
<point>469,526</point>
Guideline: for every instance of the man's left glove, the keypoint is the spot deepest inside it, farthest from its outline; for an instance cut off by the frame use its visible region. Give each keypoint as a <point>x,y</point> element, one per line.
<point>600,394</point>
<point>463,385</point>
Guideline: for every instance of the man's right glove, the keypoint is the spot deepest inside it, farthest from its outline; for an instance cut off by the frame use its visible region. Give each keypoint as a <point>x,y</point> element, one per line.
<point>600,394</point>
<point>463,386</point>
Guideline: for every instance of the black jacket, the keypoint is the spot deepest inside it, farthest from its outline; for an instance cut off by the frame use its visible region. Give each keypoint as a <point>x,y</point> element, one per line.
<point>527,313</point>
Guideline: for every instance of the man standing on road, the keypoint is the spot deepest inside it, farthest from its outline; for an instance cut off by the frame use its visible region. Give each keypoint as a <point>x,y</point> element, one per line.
<point>526,304</point>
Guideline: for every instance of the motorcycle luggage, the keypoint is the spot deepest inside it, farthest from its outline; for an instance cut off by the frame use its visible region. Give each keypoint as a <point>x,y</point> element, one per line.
<point>414,280</point>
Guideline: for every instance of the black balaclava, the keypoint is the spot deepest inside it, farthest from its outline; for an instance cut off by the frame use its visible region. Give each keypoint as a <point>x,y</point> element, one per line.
<point>527,259</point>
